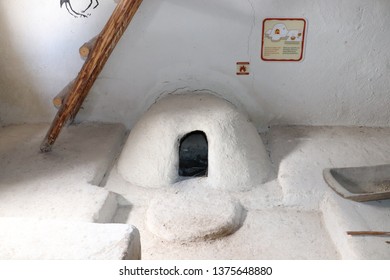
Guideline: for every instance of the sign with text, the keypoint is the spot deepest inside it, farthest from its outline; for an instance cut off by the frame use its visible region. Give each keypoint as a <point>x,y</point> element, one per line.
<point>283,39</point>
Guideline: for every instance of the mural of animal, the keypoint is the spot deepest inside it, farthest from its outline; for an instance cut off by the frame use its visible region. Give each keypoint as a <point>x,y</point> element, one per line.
<point>71,11</point>
<point>90,4</point>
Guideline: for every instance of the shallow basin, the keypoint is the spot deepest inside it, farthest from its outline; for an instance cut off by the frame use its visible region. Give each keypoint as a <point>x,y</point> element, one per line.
<point>364,183</point>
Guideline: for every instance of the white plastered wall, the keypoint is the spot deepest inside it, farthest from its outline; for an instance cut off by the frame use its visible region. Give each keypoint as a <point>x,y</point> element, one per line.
<point>194,45</point>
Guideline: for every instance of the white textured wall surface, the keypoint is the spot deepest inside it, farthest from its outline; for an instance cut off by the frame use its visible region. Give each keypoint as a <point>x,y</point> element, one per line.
<point>194,45</point>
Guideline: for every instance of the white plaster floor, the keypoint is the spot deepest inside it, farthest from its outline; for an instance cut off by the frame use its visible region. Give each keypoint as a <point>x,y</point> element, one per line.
<point>294,216</point>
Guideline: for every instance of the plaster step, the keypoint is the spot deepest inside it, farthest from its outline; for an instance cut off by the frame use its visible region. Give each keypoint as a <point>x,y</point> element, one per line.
<point>33,239</point>
<point>62,184</point>
<point>342,215</point>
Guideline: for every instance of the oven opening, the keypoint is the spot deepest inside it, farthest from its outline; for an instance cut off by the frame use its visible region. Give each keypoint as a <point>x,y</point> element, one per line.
<point>193,155</point>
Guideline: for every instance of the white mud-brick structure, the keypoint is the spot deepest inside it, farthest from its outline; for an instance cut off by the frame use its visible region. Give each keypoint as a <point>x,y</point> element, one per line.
<point>237,159</point>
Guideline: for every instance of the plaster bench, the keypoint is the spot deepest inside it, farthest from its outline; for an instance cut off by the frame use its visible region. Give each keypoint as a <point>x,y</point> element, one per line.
<point>33,239</point>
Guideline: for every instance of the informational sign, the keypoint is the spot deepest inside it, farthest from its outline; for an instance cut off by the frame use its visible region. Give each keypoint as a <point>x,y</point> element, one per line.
<point>283,39</point>
<point>242,68</point>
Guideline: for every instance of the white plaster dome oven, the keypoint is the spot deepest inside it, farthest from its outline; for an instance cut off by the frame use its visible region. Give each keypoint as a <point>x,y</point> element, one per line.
<point>194,135</point>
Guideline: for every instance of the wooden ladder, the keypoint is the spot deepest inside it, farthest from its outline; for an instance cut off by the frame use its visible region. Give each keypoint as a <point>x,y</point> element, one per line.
<point>71,98</point>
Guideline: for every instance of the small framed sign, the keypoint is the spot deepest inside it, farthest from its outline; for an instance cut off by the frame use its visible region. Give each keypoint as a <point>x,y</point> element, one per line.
<point>283,39</point>
<point>242,68</point>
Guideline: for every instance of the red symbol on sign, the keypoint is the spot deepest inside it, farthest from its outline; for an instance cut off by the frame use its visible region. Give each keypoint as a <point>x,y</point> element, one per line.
<point>242,68</point>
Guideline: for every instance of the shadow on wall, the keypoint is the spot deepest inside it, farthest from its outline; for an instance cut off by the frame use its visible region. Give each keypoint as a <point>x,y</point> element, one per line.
<point>19,98</point>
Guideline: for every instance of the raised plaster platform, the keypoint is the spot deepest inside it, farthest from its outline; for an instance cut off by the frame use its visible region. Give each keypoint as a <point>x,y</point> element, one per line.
<point>193,212</point>
<point>61,184</point>
<point>50,202</point>
<point>32,239</point>
<point>301,153</point>
<point>341,215</point>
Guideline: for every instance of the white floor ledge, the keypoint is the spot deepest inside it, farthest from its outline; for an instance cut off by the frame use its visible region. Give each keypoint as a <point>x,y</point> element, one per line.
<point>32,239</point>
